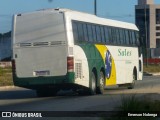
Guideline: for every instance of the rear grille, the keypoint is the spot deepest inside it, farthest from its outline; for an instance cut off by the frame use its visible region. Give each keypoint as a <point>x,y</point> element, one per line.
<point>39,44</point>
<point>24,44</point>
<point>78,70</point>
<point>58,43</point>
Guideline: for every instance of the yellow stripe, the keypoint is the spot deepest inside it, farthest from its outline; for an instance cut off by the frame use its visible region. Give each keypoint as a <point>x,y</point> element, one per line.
<point>112,80</point>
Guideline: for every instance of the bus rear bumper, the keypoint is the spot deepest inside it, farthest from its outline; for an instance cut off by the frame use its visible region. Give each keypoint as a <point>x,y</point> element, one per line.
<point>34,82</point>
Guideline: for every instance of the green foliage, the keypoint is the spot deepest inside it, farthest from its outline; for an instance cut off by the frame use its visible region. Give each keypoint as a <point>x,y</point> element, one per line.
<point>133,104</point>
<point>151,68</point>
<point>6,77</point>
<point>129,104</point>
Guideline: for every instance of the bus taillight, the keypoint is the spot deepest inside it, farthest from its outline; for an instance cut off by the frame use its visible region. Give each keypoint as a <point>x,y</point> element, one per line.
<point>70,64</point>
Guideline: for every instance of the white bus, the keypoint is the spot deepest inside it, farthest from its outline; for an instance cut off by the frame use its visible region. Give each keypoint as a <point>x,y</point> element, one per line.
<point>62,49</point>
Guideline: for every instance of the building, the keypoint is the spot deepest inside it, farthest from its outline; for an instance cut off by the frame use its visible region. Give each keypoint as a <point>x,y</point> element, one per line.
<point>148,21</point>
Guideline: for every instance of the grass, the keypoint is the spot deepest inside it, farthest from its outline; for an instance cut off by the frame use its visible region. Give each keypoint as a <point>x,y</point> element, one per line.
<point>134,105</point>
<point>6,76</point>
<point>151,68</point>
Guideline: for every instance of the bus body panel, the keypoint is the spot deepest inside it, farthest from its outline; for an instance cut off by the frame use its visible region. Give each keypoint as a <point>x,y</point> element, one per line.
<point>126,58</point>
<point>40,45</point>
<point>38,61</point>
<point>81,66</point>
<point>108,64</point>
<point>140,74</point>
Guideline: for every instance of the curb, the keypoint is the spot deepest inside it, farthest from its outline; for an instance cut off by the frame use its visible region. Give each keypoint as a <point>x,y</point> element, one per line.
<point>7,87</point>
<point>156,74</point>
<point>151,74</point>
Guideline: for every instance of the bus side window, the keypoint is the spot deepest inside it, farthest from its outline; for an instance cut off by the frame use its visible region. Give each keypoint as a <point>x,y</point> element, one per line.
<point>121,36</point>
<point>137,41</point>
<point>98,33</point>
<point>130,38</point>
<point>106,34</point>
<point>94,33</point>
<point>114,41</point>
<point>124,36</point>
<point>90,34</point>
<point>127,37</point>
<point>102,34</point>
<point>75,31</point>
<point>117,36</point>
<point>80,32</point>
<point>85,32</point>
<point>110,35</point>
<point>134,37</point>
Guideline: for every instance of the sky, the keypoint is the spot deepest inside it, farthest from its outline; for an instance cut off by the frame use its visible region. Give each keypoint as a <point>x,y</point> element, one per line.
<point>123,10</point>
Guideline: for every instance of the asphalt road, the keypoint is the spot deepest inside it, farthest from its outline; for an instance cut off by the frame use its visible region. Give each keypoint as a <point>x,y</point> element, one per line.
<point>20,99</point>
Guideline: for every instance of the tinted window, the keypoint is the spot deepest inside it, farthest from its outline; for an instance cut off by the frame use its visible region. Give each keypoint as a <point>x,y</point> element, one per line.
<point>98,33</point>
<point>75,31</point>
<point>80,32</point>
<point>106,34</point>
<point>90,34</point>
<point>121,36</point>
<point>102,34</point>
<point>124,36</point>
<point>94,33</point>
<point>110,35</point>
<point>127,37</point>
<point>133,37</point>
<point>130,37</point>
<point>114,35</point>
<point>85,32</point>
<point>117,36</point>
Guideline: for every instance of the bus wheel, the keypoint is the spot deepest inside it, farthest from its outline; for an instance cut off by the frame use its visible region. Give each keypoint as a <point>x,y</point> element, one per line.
<point>131,85</point>
<point>93,84</point>
<point>101,83</point>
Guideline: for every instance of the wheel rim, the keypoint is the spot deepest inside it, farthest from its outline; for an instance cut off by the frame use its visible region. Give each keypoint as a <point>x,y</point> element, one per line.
<point>134,78</point>
<point>101,82</point>
<point>93,83</point>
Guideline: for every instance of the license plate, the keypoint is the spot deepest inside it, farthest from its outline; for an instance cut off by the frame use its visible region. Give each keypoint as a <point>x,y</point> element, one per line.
<point>41,73</point>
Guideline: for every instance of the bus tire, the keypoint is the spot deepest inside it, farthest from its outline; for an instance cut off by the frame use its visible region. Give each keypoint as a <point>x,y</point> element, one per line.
<point>132,85</point>
<point>101,83</point>
<point>93,84</point>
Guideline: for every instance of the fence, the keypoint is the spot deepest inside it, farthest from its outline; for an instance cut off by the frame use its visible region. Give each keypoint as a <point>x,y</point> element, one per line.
<point>151,55</point>
<point>152,60</point>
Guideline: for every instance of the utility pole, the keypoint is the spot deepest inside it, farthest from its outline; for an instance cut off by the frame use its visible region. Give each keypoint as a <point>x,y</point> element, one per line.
<point>95,7</point>
<point>1,38</point>
<point>146,29</point>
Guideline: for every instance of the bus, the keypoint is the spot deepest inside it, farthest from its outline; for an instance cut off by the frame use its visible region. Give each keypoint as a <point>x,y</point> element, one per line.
<point>56,49</point>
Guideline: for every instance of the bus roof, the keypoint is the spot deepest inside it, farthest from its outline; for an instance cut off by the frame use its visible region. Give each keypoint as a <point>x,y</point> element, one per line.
<point>86,17</point>
<point>90,18</point>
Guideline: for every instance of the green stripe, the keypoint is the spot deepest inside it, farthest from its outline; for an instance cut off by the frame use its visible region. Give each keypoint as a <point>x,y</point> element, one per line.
<point>28,82</point>
<point>94,58</point>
